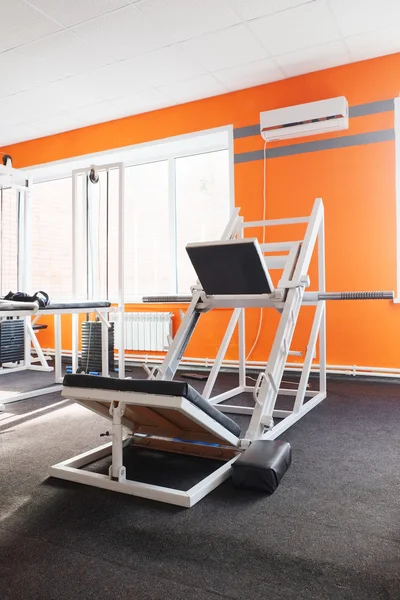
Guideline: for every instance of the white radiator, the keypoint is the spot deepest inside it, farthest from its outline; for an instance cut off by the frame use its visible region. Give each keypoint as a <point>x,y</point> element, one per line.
<point>144,330</point>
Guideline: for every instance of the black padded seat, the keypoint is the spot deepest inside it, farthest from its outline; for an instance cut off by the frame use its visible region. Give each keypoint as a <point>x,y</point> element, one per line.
<point>66,305</point>
<point>153,387</point>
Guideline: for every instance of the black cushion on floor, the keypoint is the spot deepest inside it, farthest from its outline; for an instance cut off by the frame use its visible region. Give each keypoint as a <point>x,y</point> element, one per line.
<point>154,386</point>
<point>67,305</point>
<point>262,465</point>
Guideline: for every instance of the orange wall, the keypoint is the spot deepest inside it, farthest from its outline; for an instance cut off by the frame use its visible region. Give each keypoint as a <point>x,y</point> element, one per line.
<point>356,183</point>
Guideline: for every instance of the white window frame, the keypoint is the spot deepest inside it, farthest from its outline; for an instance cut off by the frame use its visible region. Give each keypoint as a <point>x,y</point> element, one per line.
<point>63,169</point>
<point>397,175</point>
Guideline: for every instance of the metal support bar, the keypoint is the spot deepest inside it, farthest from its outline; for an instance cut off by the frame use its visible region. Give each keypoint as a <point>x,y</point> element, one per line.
<point>221,353</point>
<point>182,338</point>
<point>105,370</point>
<point>117,469</point>
<point>301,391</point>
<point>57,348</point>
<point>31,338</point>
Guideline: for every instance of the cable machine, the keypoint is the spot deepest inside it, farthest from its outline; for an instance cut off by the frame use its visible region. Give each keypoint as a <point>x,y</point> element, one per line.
<point>98,256</point>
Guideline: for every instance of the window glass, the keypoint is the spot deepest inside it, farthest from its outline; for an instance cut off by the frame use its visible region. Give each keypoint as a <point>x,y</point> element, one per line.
<point>51,238</point>
<point>202,206</point>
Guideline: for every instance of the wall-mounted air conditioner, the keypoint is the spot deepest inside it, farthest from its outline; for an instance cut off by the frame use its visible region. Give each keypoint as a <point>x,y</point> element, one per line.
<point>302,120</point>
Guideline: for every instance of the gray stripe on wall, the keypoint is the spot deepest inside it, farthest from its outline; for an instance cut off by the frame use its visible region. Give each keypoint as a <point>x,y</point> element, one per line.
<point>359,139</point>
<point>371,108</point>
<point>248,131</point>
<point>361,110</point>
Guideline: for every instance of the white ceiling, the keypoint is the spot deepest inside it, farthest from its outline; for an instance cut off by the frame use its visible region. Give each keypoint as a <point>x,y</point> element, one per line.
<point>65,64</point>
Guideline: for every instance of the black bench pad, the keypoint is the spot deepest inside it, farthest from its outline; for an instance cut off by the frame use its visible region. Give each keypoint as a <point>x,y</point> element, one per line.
<point>154,387</point>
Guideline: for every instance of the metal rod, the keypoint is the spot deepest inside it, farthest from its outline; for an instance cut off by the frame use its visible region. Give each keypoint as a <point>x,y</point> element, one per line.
<point>356,295</point>
<point>167,299</point>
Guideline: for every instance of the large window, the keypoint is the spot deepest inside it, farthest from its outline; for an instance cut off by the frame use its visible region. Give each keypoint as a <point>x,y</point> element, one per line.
<point>169,203</point>
<point>179,196</point>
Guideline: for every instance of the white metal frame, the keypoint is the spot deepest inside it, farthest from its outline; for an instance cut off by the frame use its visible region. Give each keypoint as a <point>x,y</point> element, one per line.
<point>72,469</point>
<point>397,175</point>
<point>21,182</point>
<point>287,299</point>
<point>77,258</point>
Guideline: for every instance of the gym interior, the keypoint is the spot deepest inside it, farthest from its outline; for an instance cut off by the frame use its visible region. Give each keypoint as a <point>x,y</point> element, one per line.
<point>199,290</point>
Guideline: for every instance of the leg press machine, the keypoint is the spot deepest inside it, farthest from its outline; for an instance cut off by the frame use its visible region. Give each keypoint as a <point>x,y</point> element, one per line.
<point>164,415</point>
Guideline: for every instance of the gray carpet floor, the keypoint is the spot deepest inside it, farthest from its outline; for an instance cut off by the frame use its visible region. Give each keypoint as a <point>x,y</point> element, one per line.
<point>331,531</point>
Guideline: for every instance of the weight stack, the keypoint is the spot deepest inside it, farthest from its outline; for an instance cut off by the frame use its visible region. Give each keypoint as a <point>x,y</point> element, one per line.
<point>12,341</point>
<point>90,360</point>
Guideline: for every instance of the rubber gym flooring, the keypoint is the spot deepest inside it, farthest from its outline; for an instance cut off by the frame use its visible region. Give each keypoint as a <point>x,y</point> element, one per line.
<point>331,531</point>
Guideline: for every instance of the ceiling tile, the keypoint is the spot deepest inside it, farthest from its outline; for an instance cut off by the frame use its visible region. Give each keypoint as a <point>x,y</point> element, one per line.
<point>65,95</point>
<point>194,89</point>
<point>47,100</point>
<point>111,81</point>
<point>166,65</point>
<point>360,16</point>
<point>21,108</point>
<point>141,103</point>
<point>15,77</point>
<point>251,9</point>
<point>124,33</point>
<point>17,133</point>
<point>186,19</point>
<point>93,114</point>
<point>21,23</point>
<point>49,125</point>
<point>60,55</point>
<point>72,12</point>
<point>250,74</point>
<point>313,59</point>
<point>75,119</point>
<point>290,30</point>
<point>374,43</point>
<point>226,48</point>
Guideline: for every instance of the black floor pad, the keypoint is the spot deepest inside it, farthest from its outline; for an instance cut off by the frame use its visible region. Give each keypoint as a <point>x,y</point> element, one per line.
<point>330,532</point>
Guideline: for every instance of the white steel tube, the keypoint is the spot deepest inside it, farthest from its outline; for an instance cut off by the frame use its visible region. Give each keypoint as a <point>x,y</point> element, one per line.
<point>117,442</point>
<point>121,279</point>
<point>75,338</point>
<point>75,318</point>
<point>242,348</point>
<point>58,352</point>
<point>269,223</point>
<point>308,245</point>
<point>322,289</point>
<point>397,174</point>
<point>104,348</point>
<point>301,391</point>
<point>27,342</point>
<point>32,338</point>
<point>221,353</point>
<point>226,395</point>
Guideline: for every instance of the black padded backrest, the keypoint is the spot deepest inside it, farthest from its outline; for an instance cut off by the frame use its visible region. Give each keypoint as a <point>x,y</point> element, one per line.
<point>234,267</point>
<point>153,387</point>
